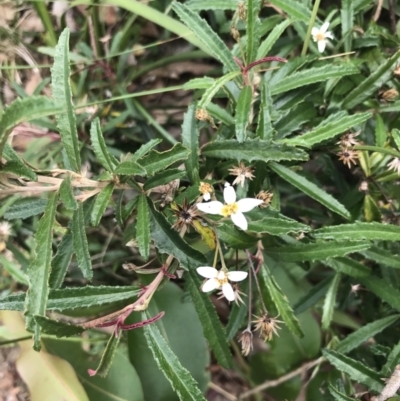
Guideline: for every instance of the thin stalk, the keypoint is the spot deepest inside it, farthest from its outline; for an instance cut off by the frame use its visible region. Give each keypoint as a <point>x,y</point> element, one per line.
<point>95,32</point>
<point>256,280</point>
<point>41,8</point>
<point>310,27</point>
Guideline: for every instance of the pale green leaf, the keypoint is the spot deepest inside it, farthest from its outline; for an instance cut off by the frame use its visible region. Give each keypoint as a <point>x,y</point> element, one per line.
<point>277,226</point>
<point>242,114</point>
<point>220,113</point>
<point>13,270</point>
<point>337,395</point>
<point>330,301</point>
<point>67,194</point>
<point>252,29</point>
<point>143,227</point>
<point>100,204</point>
<point>197,5</point>
<point>199,83</point>
<point>347,17</point>
<point>25,208</point>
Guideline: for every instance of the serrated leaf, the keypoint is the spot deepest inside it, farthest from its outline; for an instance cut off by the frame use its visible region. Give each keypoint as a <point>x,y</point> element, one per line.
<point>347,17</point>
<point>212,328</point>
<point>264,125</point>
<point>157,161</point>
<point>348,266</point>
<point>25,110</point>
<point>204,32</point>
<point>180,379</point>
<point>16,164</point>
<point>330,301</point>
<point>311,76</point>
<point>168,241</point>
<point>26,208</point>
<point>61,91</point>
<point>270,40</point>
<point>57,328</point>
<point>318,251</point>
<point>242,114</point>
<point>294,9</point>
<point>382,289</point>
<point>221,114</point>
<point>372,83</point>
<point>197,5</point>
<point>365,333</point>
<point>75,298</point>
<point>281,302</point>
<point>215,87</point>
<point>337,395</point>
<point>145,148</point>
<point>143,227</point>
<point>310,189</point>
<point>252,150</point>
<point>252,29</point>
<point>130,167</point>
<point>199,83</point>
<point>392,361</point>
<point>100,148</point>
<point>355,369</point>
<point>107,357</point>
<point>329,130</point>
<point>67,194</point>
<point>234,237</point>
<point>80,243</point>
<point>39,269</point>
<point>100,204</point>
<point>276,226</point>
<point>381,256</point>
<point>360,231</point>
<point>61,260</point>
<point>164,177</point>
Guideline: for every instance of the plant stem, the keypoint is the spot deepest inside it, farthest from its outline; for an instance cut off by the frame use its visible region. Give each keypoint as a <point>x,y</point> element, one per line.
<point>256,280</point>
<point>310,27</point>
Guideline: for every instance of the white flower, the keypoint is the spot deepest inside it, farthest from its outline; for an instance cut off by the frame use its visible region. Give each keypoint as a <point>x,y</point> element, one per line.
<point>321,35</point>
<point>393,165</point>
<point>219,279</point>
<point>231,209</point>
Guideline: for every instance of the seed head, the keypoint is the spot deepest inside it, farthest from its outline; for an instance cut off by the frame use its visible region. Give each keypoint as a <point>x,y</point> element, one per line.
<point>206,189</point>
<point>348,156</point>
<point>185,214</point>
<point>390,95</point>
<point>247,341</point>
<point>267,325</point>
<point>348,139</point>
<point>266,197</point>
<point>241,172</point>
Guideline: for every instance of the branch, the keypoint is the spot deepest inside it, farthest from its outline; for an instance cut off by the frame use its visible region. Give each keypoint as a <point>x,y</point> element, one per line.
<point>392,385</point>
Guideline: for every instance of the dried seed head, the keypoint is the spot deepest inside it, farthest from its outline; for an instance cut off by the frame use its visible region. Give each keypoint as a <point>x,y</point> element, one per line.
<point>242,11</point>
<point>235,33</point>
<point>266,197</point>
<point>363,187</point>
<point>241,172</point>
<point>185,214</point>
<point>348,139</point>
<point>394,165</point>
<point>267,326</point>
<point>348,156</point>
<point>247,341</point>
<point>236,293</point>
<point>203,115</point>
<point>390,95</point>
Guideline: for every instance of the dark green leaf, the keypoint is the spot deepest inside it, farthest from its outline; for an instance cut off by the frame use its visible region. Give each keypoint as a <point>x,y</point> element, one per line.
<point>198,5</point>
<point>67,194</point>
<point>164,177</point>
<point>235,238</point>
<point>15,164</point>
<point>100,204</point>
<point>294,9</point>
<point>264,125</point>
<point>277,226</point>
<point>57,328</point>
<point>252,29</point>
<point>348,266</point>
<point>145,148</point>
<point>26,208</point>
<point>347,16</point>
<point>107,357</point>
<point>143,227</point>
<point>382,256</point>
<point>129,167</point>
<point>61,261</point>
<point>242,115</point>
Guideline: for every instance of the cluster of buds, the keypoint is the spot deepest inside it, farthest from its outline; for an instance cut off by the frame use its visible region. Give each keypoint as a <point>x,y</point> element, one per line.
<point>347,153</point>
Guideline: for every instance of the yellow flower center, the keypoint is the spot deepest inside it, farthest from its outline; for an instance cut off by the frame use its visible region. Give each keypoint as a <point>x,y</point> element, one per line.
<point>320,36</point>
<point>205,188</point>
<point>227,210</point>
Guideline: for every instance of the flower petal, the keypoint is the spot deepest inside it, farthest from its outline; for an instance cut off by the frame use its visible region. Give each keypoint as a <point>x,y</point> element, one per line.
<point>228,292</point>
<point>324,27</point>
<point>210,285</point>
<point>321,45</point>
<point>329,35</point>
<point>239,220</point>
<point>237,276</point>
<point>207,271</point>
<point>213,207</point>
<point>207,196</point>
<point>247,204</point>
<point>229,194</point>
<point>314,32</point>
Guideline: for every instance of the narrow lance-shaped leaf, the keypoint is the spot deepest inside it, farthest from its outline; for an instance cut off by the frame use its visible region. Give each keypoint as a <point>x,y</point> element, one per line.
<point>190,139</point>
<point>281,302</point>
<point>264,124</point>
<point>39,269</point>
<point>203,32</point>
<point>61,90</point>
<point>197,5</point>
<point>57,328</point>
<point>107,357</point>
<point>348,266</point>
<point>12,157</point>
<point>212,328</point>
<point>310,189</point>
<point>67,194</point>
<point>382,257</point>
<point>238,313</point>
<point>164,177</point>
<point>180,379</point>
<point>145,148</point>
<point>100,204</point>
<point>242,115</point>
<point>143,227</point>
<point>25,208</point>
<point>252,29</point>
<point>61,260</point>
<point>330,301</point>
<point>337,395</point>
<point>347,16</point>
<point>294,9</point>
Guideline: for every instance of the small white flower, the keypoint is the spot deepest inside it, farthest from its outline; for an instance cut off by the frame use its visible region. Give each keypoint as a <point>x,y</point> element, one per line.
<point>321,35</point>
<point>219,279</point>
<point>393,165</point>
<point>231,209</point>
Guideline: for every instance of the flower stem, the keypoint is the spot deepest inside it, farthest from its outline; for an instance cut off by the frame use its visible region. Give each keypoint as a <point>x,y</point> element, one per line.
<point>310,27</point>
<point>256,280</point>
<point>250,305</point>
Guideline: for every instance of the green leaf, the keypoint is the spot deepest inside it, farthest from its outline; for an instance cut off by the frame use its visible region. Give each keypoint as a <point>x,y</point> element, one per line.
<point>215,87</point>
<point>129,167</point>
<point>57,328</point>
<point>25,110</point>
<point>15,164</point>
<point>61,260</point>
<point>294,9</point>
<point>143,227</point>
<point>100,204</point>
<point>100,148</point>
<point>380,131</point>
<point>235,238</point>
<point>330,301</point>
<point>329,130</point>
<point>197,5</point>
<point>203,32</point>
<point>363,334</point>
<point>25,208</point>
<point>270,40</point>
<point>242,114</point>
<point>381,256</point>
<point>164,177</point>
<point>220,114</point>
<point>61,90</point>
<point>198,83</point>
<point>75,298</point>
<point>252,29</point>
<point>348,266</point>
<point>311,76</point>
<point>190,139</point>
<point>310,189</point>
<point>277,226</point>
<point>157,161</point>
<point>145,148</point>
<point>252,150</point>
<point>372,83</point>
<point>347,17</point>
<point>212,328</point>
<point>360,231</point>
<point>281,302</point>
<point>80,243</point>
<point>392,361</point>
<point>67,194</point>
<point>12,269</point>
<point>264,125</point>
<point>318,251</point>
<point>168,241</point>
<point>337,395</point>
<point>107,357</point>
<point>180,379</point>
<point>383,290</point>
<point>39,269</point>
<point>355,369</point>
